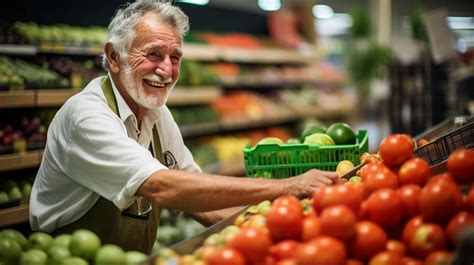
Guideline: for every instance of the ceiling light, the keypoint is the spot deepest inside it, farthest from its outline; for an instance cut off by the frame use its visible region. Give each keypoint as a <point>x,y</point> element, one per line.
<point>194,2</point>
<point>269,5</point>
<point>323,11</point>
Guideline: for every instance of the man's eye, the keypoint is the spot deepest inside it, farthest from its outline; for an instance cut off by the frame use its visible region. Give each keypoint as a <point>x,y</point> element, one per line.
<point>153,55</point>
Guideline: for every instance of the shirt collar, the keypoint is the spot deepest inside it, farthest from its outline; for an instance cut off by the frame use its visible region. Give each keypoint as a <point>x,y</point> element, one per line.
<point>125,111</point>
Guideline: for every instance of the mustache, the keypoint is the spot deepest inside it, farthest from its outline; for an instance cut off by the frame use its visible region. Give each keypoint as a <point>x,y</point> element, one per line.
<point>157,78</point>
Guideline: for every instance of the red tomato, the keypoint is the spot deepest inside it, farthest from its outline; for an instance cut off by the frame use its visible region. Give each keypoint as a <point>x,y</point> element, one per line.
<point>414,171</point>
<point>285,222</point>
<point>396,247</point>
<point>461,165</point>
<point>385,207</point>
<point>396,149</point>
<point>440,257</point>
<point>426,239</point>
<point>372,167</point>
<point>411,261</point>
<point>338,221</point>
<point>458,223</point>
<point>469,201</point>
<point>369,240</point>
<point>286,200</point>
<point>322,250</point>
<point>354,262</point>
<point>311,228</point>
<point>386,258</point>
<point>410,228</point>
<point>287,262</point>
<point>285,249</point>
<point>440,200</point>
<point>337,194</point>
<point>379,180</point>
<point>410,194</point>
<point>442,176</point>
<point>226,256</point>
<point>252,243</point>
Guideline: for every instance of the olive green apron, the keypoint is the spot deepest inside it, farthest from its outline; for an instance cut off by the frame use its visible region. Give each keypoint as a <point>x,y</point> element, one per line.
<point>131,229</point>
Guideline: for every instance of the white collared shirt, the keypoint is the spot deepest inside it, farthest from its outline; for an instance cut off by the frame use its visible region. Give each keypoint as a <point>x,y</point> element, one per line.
<point>92,152</point>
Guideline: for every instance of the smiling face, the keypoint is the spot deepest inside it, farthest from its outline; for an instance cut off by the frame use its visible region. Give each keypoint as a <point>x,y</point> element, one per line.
<point>152,67</point>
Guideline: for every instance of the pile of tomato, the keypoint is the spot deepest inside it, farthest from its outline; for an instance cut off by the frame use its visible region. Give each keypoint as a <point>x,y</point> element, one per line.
<point>399,213</point>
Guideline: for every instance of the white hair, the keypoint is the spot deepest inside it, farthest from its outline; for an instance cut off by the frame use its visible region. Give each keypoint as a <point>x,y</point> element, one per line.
<point>121,30</point>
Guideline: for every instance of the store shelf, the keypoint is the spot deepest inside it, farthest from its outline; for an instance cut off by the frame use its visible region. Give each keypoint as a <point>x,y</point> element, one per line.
<point>15,99</point>
<point>62,48</point>
<point>20,160</point>
<point>267,55</point>
<point>57,97</point>
<point>14,49</point>
<point>14,215</point>
<point>193,95</point>
<point>200,52</point>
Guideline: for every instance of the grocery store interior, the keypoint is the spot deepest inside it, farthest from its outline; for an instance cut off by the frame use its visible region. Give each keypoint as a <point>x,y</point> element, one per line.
<point>251,69</point>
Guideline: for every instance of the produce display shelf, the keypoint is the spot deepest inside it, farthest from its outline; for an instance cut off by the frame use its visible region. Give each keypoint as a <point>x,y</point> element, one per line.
<point>57,97</point>
<point>194,95</point>
<point>17,49</point>
<point>192,51</point>
<point>15,99</point>
<point>14,215</point>
<point>20,160</point>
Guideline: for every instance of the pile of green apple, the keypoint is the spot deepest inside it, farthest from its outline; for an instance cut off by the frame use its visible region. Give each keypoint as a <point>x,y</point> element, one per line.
<point>82,247</point>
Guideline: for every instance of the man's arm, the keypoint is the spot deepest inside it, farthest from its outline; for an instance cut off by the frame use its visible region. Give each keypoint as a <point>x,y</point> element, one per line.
<point>197,192</point>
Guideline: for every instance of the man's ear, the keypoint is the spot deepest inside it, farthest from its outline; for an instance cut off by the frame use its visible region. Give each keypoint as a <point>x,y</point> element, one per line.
<point>112,58</point>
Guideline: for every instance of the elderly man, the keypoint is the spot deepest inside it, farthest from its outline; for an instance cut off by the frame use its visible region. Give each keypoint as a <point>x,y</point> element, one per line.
<point>103,167</point>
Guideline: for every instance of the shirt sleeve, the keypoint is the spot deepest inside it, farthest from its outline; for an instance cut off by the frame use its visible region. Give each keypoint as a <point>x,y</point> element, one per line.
<point>102,157</point>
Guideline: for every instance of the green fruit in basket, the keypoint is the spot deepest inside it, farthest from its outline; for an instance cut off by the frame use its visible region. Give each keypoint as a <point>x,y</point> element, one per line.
<point>40,240</point>
<point>341,133</point>
<point>320,139</point>
<point>62,240</point>
<point>74,261</point>
<point>270,140</point>
<point>57,254</point>
<point>33,257</point>
<point>10,251</point>
<point>134,257</point>
<point>15,193</point>
<point>312,130</point>
<point>84,243</point>
<point>17,236</point>
<point>110,255</point>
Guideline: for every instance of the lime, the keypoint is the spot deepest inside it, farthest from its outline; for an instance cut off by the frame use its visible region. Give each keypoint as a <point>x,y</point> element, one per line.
<point>110,255</point>
<point>319,139</point>
<point>57,254</point>
<point>270,140</point>
<point>74,261</point>
<point>84,243</point>
<point>62,240</point>
<point>341,133</point>
<point>4,196</point>
<point>134,257</point>
<point>17,236</point>
<point>40,240</point>
<point>15,193</point>
<point>10,251</point>
<point>33,257</point>
<point>311,130</point>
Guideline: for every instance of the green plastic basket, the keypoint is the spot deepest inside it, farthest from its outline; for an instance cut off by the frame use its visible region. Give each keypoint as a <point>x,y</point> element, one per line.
<point>287,160</point>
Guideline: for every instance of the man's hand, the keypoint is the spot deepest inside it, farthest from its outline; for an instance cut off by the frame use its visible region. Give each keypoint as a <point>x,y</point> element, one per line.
<point>307,183</point>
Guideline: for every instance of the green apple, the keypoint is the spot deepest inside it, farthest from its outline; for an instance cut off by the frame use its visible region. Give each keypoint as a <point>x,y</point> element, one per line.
<point>17,236</point>
<point>110,255</point>
<point>134,257</point>
<point>33,257</point>
<point>40,240</point>
<point>10,251</point>
<point>84,243</point>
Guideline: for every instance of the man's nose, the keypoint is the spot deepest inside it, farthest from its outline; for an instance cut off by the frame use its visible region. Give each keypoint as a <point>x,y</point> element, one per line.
<point>164,68</point>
